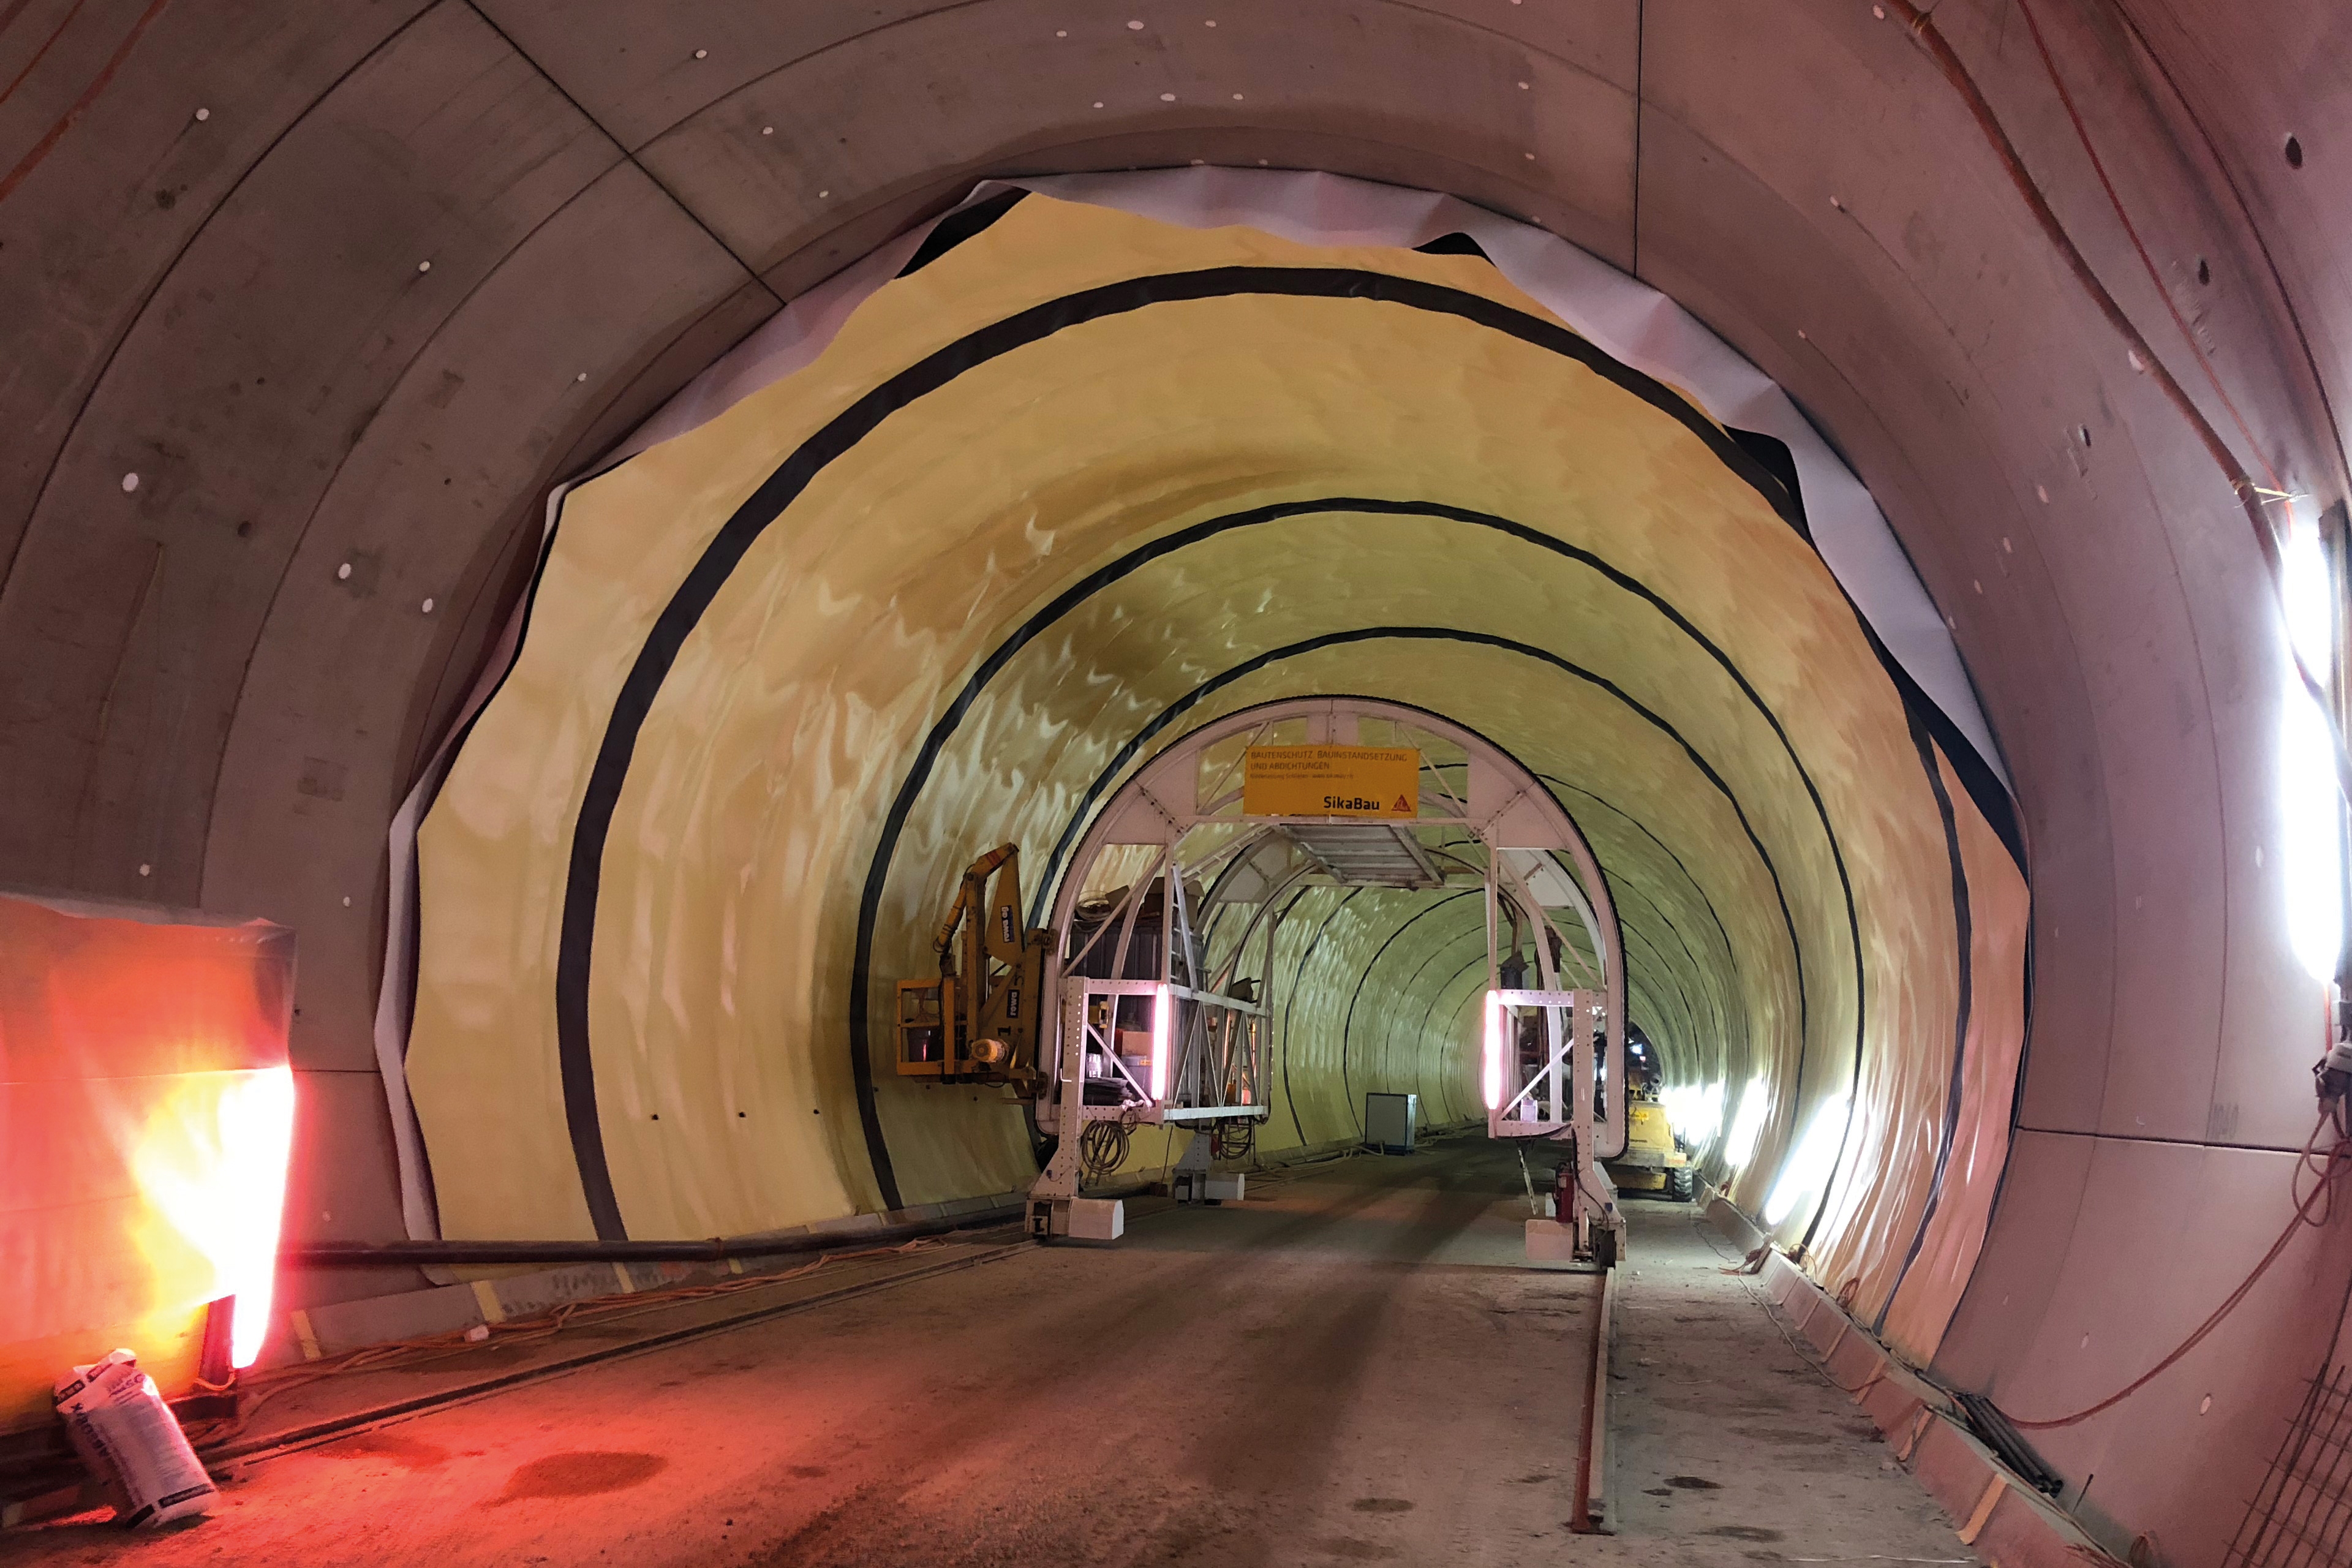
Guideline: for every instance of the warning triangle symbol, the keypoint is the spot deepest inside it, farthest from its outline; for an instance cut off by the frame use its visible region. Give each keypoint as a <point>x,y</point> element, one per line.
<point>1402,807</point>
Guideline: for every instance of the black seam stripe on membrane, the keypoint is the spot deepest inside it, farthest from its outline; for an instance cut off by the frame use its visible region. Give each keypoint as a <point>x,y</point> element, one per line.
<point>1144,554</point>
<point>727,548</point>
<point>1167,545</point>
<point>1290,995</point>
<point>1475,938</point>
<point>1431,1011</point>
<point>1411,987</point>
<point>1964,914</point>
<point>1963,925</point>
<point>1346,1084</point>
<point>1731,954</point>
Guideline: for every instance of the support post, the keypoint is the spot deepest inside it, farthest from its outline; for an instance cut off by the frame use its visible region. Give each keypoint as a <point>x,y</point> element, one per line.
<point>1188,1182</point>
<point>1057,1184</point>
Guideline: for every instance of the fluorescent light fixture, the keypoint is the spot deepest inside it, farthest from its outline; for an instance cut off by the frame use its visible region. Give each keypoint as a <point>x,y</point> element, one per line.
<point>1162,1006</point>
<point>1491,1078</point>
<point>2308,592</point>
<point>2310,814</point>
<point>1808,1168</point>
<point>2312,848</point>
<point>1746,1125</point>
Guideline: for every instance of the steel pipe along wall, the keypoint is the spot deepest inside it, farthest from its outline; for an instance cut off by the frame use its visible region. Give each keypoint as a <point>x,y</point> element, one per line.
<point>1958,848</point>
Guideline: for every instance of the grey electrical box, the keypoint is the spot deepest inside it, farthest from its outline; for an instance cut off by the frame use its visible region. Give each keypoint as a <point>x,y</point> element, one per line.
<point>1390,1122</point>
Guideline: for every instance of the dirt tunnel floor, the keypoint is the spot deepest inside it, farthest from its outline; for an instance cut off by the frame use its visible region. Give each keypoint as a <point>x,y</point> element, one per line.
<point>1352,1367</point>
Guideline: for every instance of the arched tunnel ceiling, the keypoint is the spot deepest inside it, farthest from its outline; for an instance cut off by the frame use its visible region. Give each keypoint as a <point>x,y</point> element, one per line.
<point>214,225</point>
<point>1136,476</point>
<point>255,338</point>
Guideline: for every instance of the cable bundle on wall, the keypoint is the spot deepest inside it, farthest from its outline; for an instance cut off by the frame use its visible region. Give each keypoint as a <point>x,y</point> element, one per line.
<point>2314,1208</point>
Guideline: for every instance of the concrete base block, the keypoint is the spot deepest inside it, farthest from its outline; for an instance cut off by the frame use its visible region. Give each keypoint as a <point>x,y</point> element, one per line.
<point>1549,1241</point>
<point>1093,1219</point>
<point>1224,1187</point>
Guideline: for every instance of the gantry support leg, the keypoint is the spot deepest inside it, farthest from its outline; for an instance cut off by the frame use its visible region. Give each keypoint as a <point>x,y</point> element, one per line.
<point>1055,1209</point>
<point>1189,1182</point>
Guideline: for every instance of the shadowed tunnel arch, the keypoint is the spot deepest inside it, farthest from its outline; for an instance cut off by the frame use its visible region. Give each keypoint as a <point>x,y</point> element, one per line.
<point>1326,556</point>
<point>840,436</point>
<point>413,266</point>
<point>1141,744</point>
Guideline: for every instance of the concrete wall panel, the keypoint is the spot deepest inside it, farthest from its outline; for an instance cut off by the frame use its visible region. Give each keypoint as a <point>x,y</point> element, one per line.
<point>682,59</point>
<point>770,165</point>
<point>2113,1280</point>
<point>482,414</point>
<point>134,184</point>
<point>443,150</point>
<point>2235,84</point>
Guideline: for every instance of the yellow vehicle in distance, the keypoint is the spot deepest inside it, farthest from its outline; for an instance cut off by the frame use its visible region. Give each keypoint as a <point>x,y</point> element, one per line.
<point>1653,1160</point>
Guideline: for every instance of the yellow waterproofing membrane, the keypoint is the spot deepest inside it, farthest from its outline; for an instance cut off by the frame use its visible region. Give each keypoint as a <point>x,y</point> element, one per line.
<point>1079,483</point>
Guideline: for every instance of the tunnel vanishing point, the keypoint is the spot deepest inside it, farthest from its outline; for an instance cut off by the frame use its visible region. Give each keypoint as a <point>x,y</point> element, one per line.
<point>1488,781</point>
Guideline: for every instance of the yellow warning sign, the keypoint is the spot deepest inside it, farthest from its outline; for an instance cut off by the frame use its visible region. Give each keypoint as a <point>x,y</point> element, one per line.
<point>1331,781</point>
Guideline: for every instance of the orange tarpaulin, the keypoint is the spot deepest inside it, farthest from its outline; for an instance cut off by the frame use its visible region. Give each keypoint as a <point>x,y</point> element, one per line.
<point>145,1113</point>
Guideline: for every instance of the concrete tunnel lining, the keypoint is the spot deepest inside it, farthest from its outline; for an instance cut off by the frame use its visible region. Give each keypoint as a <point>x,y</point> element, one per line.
<point>1027,242</point>
<point>215,705</point>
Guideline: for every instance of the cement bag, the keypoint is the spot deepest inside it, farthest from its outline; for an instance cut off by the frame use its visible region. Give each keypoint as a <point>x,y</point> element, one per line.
<point>132,1443</point>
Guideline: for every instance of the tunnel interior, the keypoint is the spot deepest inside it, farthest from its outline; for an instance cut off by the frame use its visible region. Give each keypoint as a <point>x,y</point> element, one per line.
<point>1072,482</point>
<point>594,523</point>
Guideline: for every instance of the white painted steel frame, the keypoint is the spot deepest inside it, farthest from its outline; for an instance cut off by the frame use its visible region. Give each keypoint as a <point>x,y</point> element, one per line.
<point>1068,1114</point>
<point>1500,804</point>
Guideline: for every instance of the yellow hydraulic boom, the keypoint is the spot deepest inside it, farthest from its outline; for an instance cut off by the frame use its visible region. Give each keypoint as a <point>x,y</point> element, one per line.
<point>978,1020</point>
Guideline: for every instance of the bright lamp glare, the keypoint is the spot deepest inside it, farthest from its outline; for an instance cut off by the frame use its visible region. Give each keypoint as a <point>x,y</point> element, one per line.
<point>1809,1167</point>
<point>2309,811</point>
<point>2314,871</point>
<point>260,1126</point>
<point>1162,1006</point>
<point>2305,587</point>
<point>1747,1126</point>
<point>215,1165</point>
<point>1491,1073</point>
<point>1694,1111</point>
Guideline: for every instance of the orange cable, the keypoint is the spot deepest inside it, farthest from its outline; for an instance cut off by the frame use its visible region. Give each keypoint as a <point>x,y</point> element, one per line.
<point>2339,1159</point>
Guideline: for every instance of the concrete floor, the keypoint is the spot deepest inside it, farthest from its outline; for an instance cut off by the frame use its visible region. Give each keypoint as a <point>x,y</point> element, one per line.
<point>1350,1367</point>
